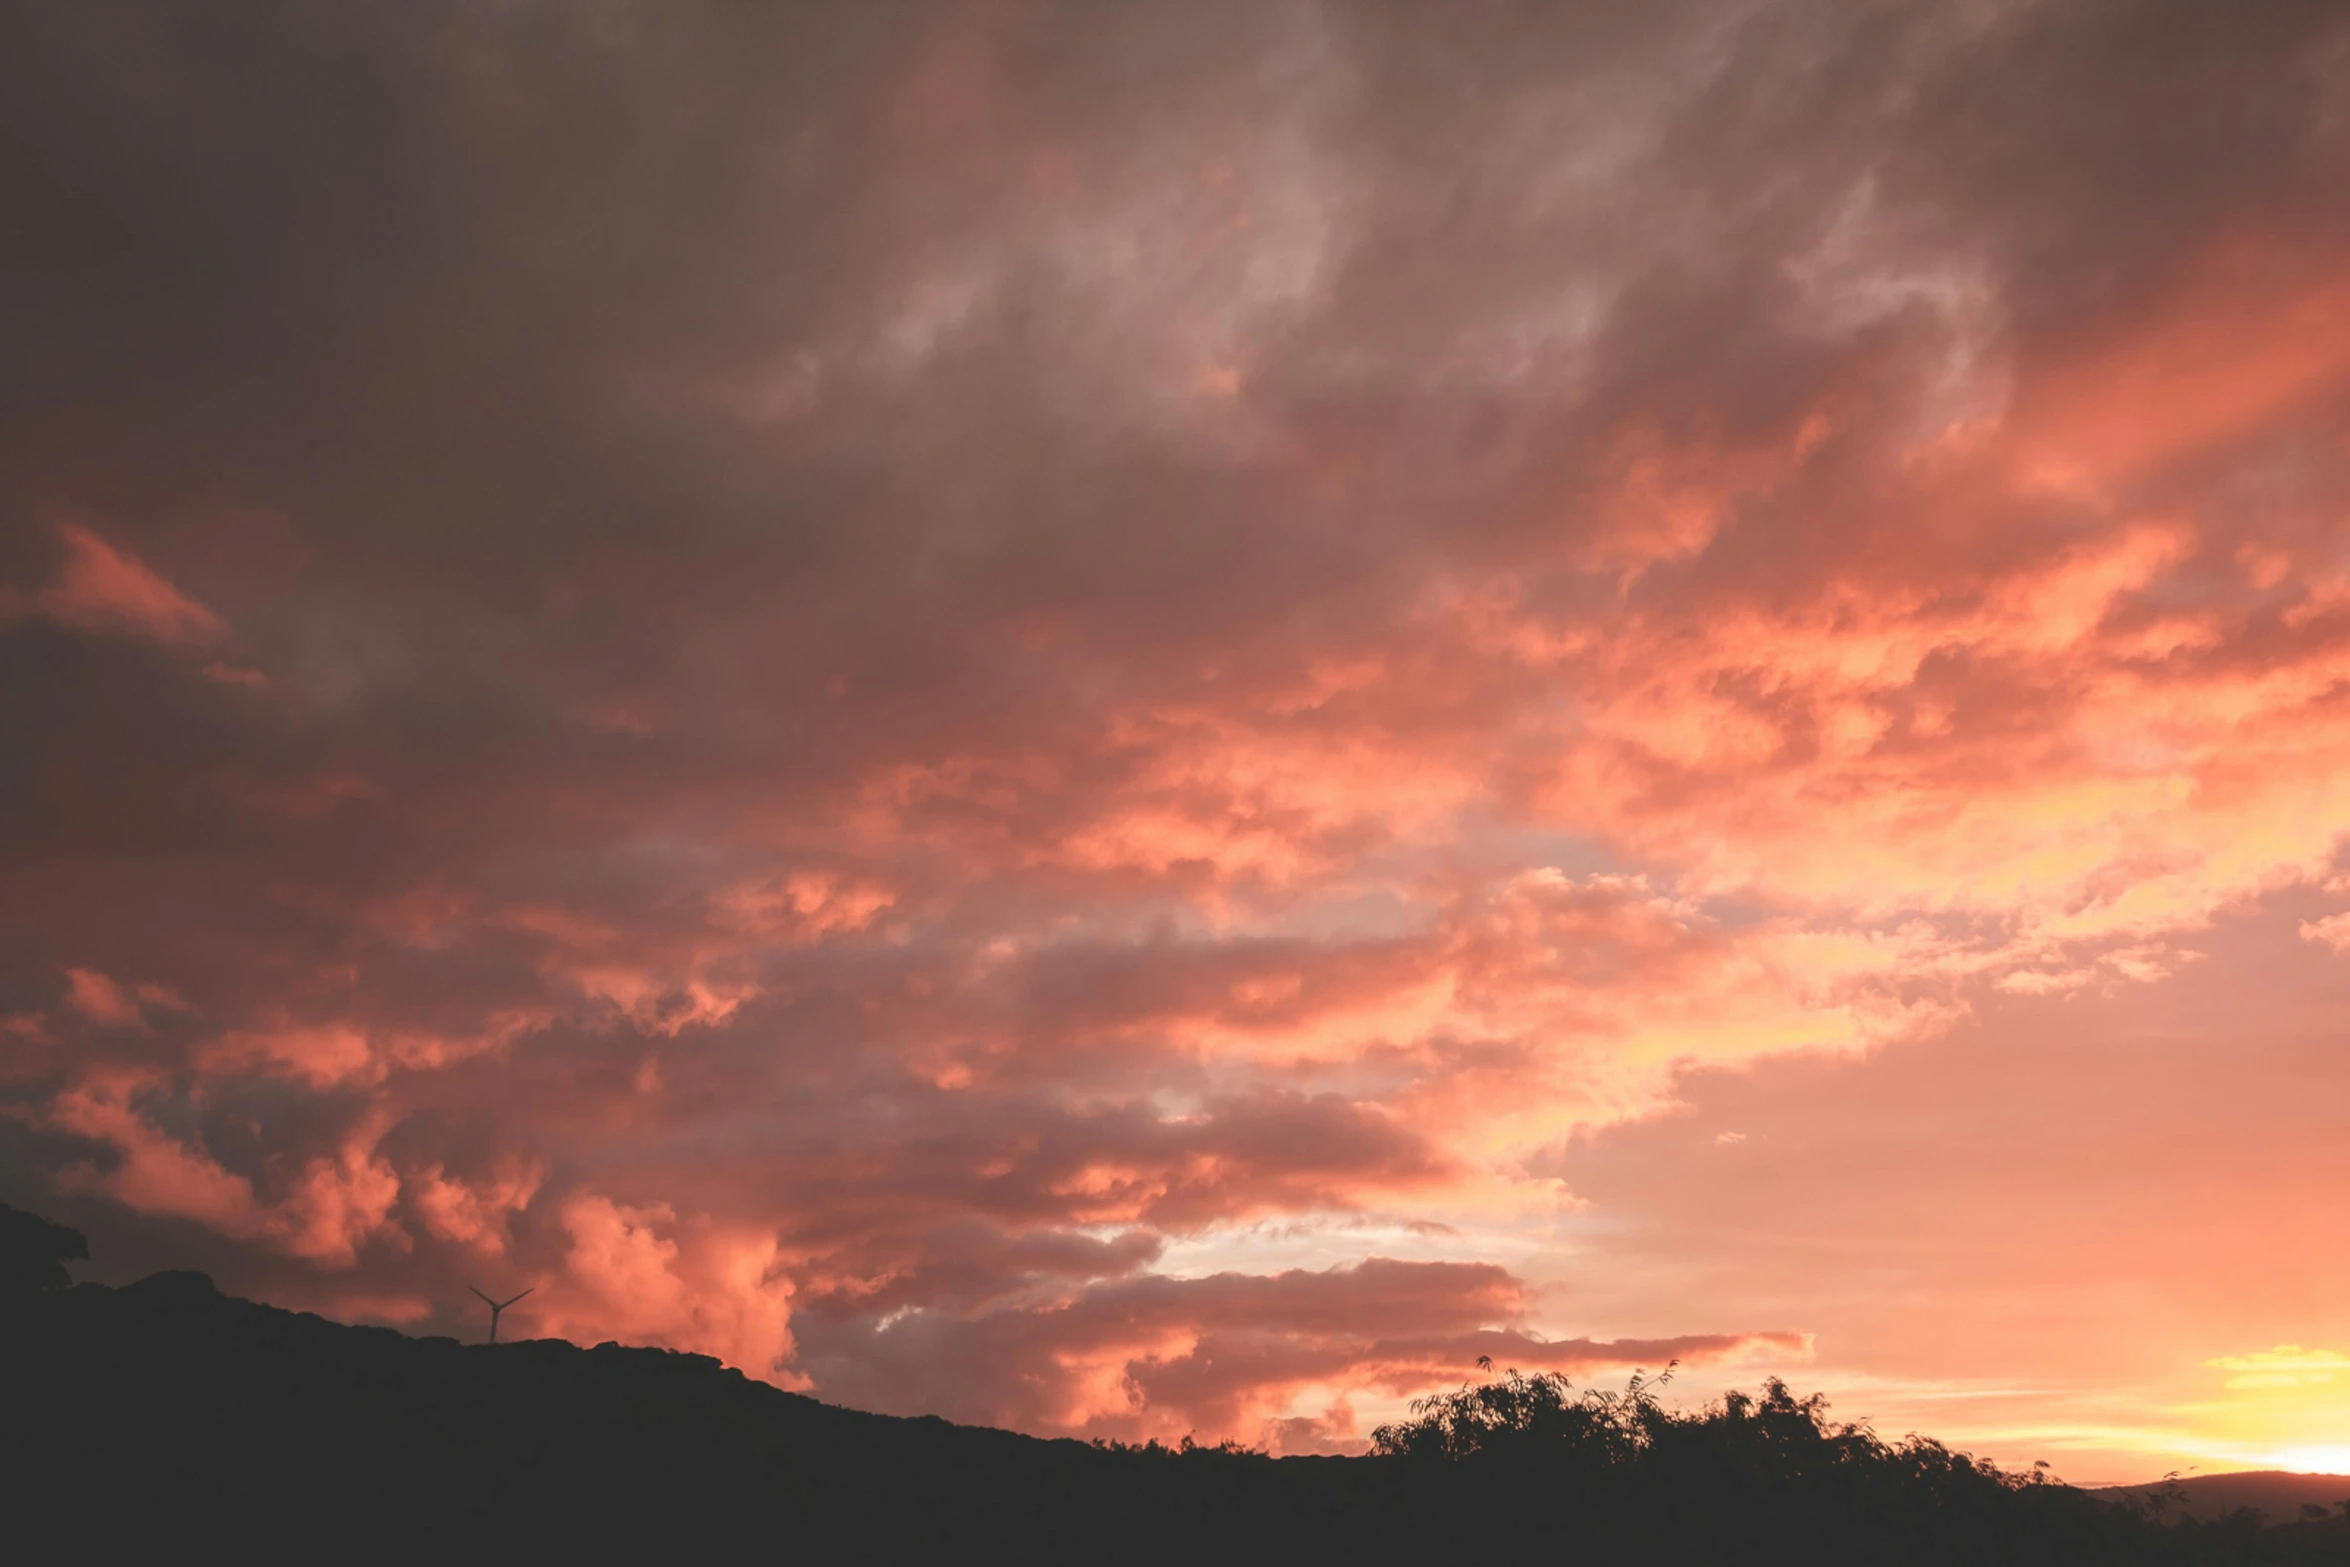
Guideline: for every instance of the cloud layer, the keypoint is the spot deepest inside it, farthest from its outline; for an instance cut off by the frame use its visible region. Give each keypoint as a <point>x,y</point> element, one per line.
<point>1024,711</point>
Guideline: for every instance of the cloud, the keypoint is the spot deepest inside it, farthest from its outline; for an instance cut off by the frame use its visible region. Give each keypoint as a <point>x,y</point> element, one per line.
<point>103,588</point>
<point>2287,1365</point>
<point>339,1203</point>
<point>982,669</point>
<point>2333,931</point>
<point>322,1057</point>
<point>634,1274</point>
<point>1145,1355</point>
<point>100,999</point>
<point>475,1215</point>
<point>154,1172</point>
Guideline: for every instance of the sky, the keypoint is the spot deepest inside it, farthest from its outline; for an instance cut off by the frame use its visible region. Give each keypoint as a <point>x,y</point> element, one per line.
<point>1148,720</point>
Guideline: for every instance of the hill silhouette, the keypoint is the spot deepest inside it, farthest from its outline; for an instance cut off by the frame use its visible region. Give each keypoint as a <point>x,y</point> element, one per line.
<point>2275,1494</point>
<point>166,1417</point>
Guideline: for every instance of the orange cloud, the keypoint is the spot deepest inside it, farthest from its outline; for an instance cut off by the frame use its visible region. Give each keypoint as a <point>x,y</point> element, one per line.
<point>338,1203</point>
<point>634,1273</point>
<point>322,1056</point>
<point>477,1215</point>
<point>1230,1352</point>
<point>2250,326</point>
<point>154,1172</point>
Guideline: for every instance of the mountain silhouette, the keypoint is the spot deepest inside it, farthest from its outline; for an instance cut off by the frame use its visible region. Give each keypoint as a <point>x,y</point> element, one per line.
<point>2274,1494</point>
<point>167,1417</point>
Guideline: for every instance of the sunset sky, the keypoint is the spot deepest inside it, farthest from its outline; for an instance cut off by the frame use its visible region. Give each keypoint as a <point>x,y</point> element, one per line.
<point>1145,719</point>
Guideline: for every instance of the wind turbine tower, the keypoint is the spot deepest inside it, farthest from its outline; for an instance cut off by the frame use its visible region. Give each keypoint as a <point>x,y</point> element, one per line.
<point>496,1307</point>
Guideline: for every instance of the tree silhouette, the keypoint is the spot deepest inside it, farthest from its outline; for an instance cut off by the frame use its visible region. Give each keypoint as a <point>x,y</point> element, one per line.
<point>34,1252</point>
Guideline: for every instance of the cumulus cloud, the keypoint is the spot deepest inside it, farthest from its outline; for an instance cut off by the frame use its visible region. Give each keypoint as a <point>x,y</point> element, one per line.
<point>152,1171</point>
<point>632,1273</point>
<point>475,1214</point>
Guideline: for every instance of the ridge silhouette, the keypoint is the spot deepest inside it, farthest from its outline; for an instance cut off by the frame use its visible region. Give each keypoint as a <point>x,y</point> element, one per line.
<point>165,1415</point>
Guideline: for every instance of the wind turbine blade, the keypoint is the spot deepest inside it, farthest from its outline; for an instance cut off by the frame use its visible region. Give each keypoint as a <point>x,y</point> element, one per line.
<point>485,1298</point>
<point>503,1305</point>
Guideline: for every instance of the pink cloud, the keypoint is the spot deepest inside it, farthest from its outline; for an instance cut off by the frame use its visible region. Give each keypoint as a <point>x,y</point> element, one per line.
<point>331,1207</point>
<point>338,1203</point>
<point>2250,326</point>
<point>154,1172</point>
<point>103,588</point>
<point>1229,1352</point>
<point>477,1215</point>
<point>100,999</point>
<point>2333,931</point>
<point>635,1273</point>
<point>322,1056</point>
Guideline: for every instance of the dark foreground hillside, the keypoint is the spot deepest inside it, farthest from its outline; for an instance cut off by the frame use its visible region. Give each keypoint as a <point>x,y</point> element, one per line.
<point>165,1417</point>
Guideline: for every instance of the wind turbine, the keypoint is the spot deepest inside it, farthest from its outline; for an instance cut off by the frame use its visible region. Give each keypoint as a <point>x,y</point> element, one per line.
<point>497,1306</point>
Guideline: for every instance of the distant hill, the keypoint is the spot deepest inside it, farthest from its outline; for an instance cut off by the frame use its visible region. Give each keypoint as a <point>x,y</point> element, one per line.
<point>167,1411</point>
<point>2279,1495</point>
<point>165,1418</point>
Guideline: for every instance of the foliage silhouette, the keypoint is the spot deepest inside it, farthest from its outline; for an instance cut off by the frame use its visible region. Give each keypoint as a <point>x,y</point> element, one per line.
<point>166,1415</point>
<point>1772,1477</point>
<point>34,1252</point>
